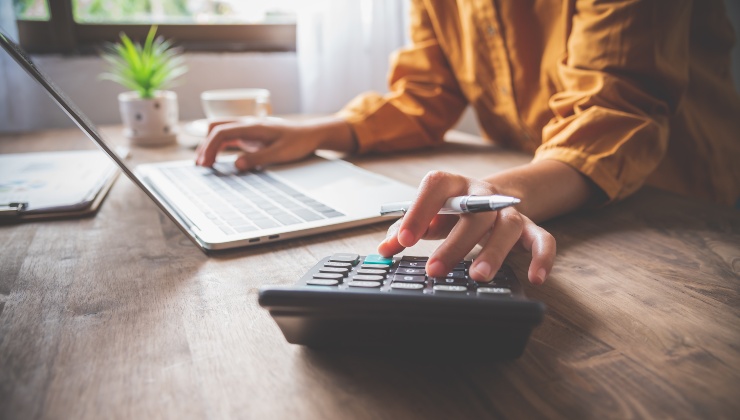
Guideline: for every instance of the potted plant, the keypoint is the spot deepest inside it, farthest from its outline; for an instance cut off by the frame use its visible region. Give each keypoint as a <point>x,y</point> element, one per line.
<point>148,112</point>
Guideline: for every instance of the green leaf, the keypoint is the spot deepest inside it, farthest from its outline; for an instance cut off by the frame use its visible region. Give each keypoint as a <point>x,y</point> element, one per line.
<point>144,68</point>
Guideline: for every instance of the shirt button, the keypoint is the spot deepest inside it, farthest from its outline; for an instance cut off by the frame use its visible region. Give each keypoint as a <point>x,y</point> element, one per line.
<point>490,30</point>
<point>504,90</point>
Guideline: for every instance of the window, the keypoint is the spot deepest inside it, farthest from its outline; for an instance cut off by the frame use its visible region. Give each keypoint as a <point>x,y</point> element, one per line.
<point>70,26</point>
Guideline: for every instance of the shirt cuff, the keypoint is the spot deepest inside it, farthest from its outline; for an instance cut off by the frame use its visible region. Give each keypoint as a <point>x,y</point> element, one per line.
<point>362,131</point>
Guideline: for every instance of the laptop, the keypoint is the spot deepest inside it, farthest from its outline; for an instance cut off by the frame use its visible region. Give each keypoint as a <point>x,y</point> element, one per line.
<point>219,208</point>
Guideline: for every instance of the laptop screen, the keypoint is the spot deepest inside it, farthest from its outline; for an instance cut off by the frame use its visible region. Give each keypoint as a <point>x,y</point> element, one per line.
<point>20,56</point>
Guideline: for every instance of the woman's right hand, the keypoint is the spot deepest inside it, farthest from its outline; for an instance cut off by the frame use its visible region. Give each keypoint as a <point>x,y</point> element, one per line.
<point>272,140</point>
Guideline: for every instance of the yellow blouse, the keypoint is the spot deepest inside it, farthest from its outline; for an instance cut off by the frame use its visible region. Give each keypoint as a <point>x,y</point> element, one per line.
<point>626,92</point>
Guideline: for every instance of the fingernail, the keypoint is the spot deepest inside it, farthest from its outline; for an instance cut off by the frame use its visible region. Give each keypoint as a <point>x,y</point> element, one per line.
<point>541,273</point>
<point>435,266</point>
<point>483,269</point>
<point>406,238</point>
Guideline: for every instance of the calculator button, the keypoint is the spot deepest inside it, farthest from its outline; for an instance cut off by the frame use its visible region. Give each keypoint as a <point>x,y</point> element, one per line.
<point>411,271</point>
<point>461,266</point>
<point>363,283</point>
<point>409,279</point>
<point>330,276</point>
<point>384,267</point>
<point>412,264</point>
<point>346,258</point>
<point>503,291</point>
<point>491,282</point>
<point>450,281</point>
<point>406,286</point>
<point>378,259</point>
<point>368,277</point>
<point>338,264</point>
<point>497,281</point>
<point>410,258</point>
<point>322,282</point>
<point>342,271</point>
<point>371,271</point>
<point>484,282</point>
<point>449,288</point>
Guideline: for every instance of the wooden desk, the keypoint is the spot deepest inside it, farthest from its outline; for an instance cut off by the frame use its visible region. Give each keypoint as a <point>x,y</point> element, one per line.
<point>120,316</point>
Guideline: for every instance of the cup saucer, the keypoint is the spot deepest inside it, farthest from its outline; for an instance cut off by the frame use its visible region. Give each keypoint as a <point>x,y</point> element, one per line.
<point>197,128</point>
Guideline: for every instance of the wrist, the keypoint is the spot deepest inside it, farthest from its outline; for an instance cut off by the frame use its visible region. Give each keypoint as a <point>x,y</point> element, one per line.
<point>547,188</point>
<point>331,133</point>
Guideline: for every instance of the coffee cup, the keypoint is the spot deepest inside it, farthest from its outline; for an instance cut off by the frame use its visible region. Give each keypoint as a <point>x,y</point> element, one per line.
<point>235,103</point>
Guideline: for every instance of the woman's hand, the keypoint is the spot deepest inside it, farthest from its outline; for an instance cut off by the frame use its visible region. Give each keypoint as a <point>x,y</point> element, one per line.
<point>497,232</point>
<point>274,140</point>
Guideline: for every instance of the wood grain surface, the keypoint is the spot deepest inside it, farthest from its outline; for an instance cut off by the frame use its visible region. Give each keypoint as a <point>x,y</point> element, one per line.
<point>121,316</point>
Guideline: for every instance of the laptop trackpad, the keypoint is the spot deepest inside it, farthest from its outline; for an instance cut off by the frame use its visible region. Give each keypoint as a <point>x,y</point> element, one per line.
<point>343,185</point>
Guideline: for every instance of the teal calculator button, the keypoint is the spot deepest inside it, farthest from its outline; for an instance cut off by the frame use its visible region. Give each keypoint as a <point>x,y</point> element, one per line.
<point>377,259</point>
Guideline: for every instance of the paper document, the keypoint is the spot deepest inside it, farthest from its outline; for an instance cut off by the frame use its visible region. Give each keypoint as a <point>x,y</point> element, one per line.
<point>52,181</point>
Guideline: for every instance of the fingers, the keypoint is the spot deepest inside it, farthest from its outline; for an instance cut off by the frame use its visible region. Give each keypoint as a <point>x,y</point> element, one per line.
<point>509,227</point>
<point>390,246</point>
<point>216,122</point>
<point>461,240</point>
<point>507,230</point>
<point>257,158</point>
<point>250,146</point>
<point>543,247</point>
<point>435,189</point>
<point>439,228</point>
<point>497,232</point>
<point>211,125</point>
<point>222,134</point>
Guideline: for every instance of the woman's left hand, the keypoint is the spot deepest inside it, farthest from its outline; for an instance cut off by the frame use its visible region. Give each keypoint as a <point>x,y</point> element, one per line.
<point>497,232</point>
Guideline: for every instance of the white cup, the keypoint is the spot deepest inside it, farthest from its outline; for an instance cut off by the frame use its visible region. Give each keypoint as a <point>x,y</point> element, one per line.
<point>236,103</point>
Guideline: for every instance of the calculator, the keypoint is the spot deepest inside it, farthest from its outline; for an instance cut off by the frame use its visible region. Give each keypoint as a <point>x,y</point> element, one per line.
<point>374,303</point>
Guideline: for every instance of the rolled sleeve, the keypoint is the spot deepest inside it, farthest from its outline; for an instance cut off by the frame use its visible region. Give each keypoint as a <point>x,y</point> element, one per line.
<point>623,76</point>
<point>425,99</point>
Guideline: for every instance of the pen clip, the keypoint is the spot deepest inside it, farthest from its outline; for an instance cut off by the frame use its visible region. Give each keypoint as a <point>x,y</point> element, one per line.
<point>389,209</point>
<point>12,209</point>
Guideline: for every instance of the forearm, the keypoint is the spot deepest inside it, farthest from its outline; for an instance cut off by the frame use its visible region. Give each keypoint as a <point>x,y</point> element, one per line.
<point>547,188</point>
<point>331,133</point>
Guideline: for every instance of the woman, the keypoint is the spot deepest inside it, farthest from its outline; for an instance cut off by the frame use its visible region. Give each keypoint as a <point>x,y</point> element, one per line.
<point>607,96</point>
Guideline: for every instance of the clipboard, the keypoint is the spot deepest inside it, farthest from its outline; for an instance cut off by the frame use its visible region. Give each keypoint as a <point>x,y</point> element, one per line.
<point>53,185</point>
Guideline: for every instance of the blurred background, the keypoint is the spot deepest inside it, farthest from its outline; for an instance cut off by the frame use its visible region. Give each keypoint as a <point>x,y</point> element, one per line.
<point>313,56</point>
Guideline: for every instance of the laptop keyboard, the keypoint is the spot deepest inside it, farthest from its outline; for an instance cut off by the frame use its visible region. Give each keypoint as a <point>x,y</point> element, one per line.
<point>240,203</point>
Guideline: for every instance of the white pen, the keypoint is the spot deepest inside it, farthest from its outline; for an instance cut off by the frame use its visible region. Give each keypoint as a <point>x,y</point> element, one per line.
<point>457,205</point>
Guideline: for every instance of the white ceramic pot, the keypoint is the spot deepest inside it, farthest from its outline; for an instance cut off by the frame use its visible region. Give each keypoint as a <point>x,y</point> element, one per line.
<point>149,122</point>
